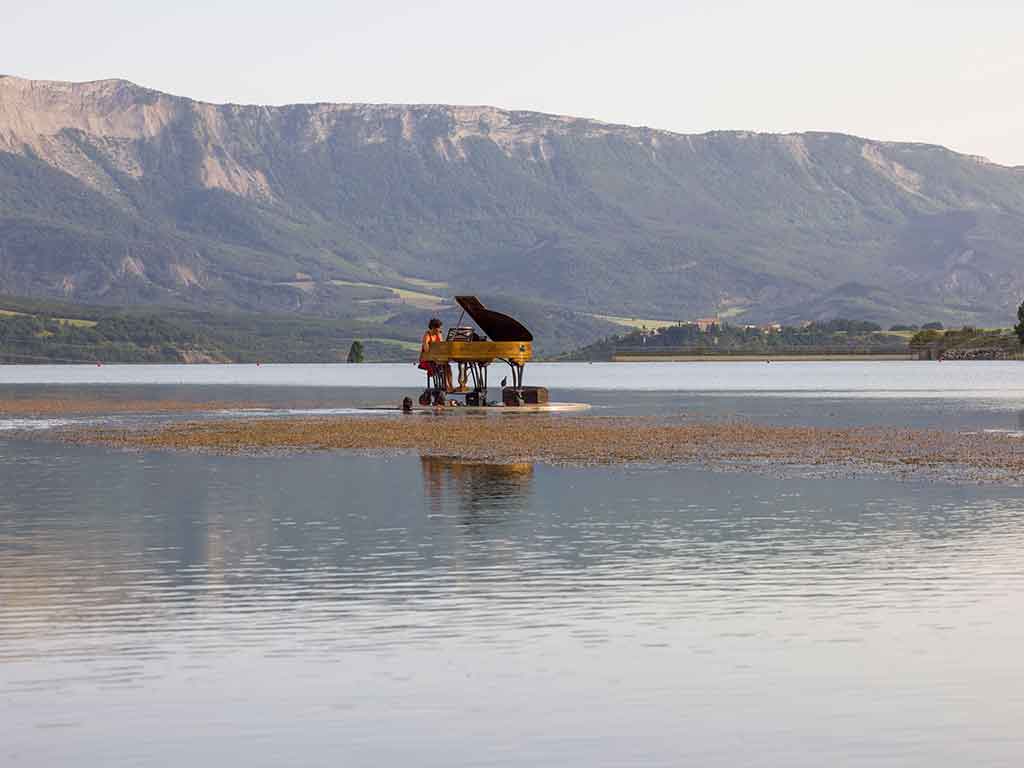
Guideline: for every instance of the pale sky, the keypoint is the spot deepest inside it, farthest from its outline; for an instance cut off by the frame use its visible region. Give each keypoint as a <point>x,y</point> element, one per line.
<point>949,72</point>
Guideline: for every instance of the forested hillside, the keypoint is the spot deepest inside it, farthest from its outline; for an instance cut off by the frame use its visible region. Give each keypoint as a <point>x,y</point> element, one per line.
<point>45,330</point>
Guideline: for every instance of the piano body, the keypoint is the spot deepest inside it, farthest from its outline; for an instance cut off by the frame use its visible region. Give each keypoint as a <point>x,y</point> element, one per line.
<point>504,338</point>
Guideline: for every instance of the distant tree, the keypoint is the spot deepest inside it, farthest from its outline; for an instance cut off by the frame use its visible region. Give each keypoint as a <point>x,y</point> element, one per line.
<point>900,327</point>
<point>925,336</point>
<point>355,352</point>
<point>932,327</point>
<point>1019,327</point>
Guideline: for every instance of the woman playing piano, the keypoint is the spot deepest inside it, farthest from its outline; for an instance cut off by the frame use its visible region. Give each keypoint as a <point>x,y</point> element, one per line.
<point>433,335</point>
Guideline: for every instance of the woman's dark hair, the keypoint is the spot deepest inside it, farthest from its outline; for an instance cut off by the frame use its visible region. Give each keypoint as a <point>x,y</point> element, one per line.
<point>434,323</point>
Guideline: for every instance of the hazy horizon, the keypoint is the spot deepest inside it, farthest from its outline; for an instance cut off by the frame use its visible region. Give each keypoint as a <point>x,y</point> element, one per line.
<point>939,72</point>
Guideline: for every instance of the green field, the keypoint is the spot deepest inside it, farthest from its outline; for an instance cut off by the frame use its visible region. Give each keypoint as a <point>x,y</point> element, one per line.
<point>74,321</point>
<point>404,295</point>
<point>638,323</point>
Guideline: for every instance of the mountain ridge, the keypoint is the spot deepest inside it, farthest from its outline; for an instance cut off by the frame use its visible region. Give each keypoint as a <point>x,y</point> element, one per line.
<point>736,132</point>
<point>119,193</point>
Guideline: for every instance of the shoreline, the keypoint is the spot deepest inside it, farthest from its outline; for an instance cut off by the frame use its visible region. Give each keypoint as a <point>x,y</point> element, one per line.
<point>93,406</point>
<point>751,358</point>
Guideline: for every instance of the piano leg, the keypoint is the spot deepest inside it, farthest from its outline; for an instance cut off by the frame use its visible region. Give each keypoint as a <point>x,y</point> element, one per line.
<point>517,374</point>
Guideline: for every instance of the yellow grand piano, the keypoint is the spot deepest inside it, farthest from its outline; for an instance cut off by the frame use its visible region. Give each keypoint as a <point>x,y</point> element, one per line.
<point>500,337</point>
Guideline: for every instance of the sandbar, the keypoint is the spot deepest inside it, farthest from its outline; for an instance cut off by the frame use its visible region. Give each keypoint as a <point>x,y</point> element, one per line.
<point>594,440</point>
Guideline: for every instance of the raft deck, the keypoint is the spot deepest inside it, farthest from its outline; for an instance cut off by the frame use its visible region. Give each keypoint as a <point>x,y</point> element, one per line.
<point>497,408</point>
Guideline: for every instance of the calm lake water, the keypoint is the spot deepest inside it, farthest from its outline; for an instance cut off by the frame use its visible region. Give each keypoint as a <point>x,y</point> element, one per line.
<point>160,609</point>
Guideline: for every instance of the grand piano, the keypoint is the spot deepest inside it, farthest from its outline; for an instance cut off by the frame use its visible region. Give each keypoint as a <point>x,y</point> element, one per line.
<point>500,337</point>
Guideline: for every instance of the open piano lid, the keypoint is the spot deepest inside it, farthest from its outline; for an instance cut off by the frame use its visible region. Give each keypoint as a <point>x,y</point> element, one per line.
<point>497,326</point>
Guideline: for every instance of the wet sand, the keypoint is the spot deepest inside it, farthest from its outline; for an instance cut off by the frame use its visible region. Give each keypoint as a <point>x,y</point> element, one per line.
<point>589,440</point>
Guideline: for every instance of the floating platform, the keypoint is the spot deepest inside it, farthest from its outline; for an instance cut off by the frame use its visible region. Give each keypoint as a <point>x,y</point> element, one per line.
<point>496,408</point>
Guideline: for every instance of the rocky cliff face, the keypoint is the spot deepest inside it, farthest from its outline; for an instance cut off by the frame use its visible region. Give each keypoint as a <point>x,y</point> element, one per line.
<point>113,192</point>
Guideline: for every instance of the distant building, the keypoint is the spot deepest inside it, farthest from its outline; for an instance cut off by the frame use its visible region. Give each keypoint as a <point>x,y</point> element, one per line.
<point>704,323</point>
<point>771,327</point>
